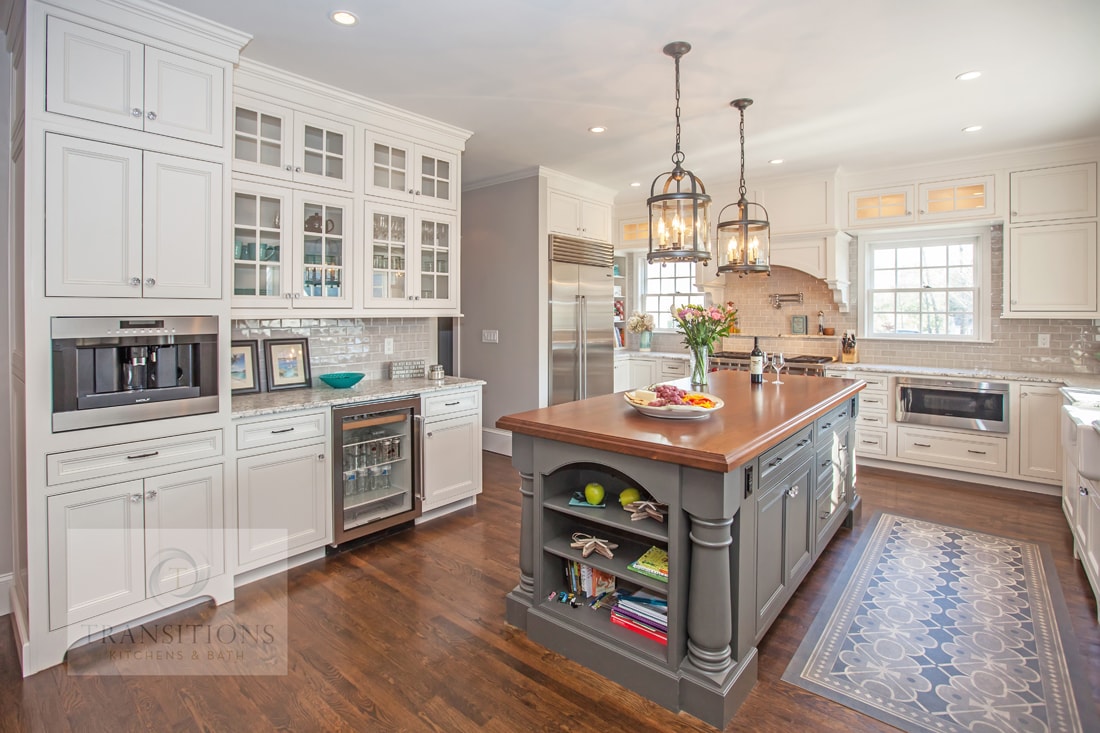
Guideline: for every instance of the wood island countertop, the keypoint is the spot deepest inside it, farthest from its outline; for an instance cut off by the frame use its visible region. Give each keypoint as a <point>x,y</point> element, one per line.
<point>753,419</point>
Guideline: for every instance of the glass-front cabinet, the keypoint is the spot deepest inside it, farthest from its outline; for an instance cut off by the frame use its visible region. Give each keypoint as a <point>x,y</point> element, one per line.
<point>290,249</point>
<point>411,257</point>
<point>405,171</point>
<point>277,142</point>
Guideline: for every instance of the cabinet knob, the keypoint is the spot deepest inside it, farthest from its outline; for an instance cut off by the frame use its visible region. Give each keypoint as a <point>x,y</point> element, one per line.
<point>136,112</point>
<point>320,456</point>
<point>428,435</point>
<point>793,491</point>
<point>135,281</point>
<point>289,167</point>
<point>151,494</point>
<point>908,213</point>
<point>297,169</point>
<point>151,115</point>
<point>1083,490</point>
<point>150,282</point>
<point>135,498</point>
<point>1015,214</point>
<point>297,295</point>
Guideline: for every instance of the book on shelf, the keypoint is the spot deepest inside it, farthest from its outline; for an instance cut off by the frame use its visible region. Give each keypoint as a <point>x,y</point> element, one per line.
<point>653,564</point>
<point>660,637</point>
<point>582,578</point>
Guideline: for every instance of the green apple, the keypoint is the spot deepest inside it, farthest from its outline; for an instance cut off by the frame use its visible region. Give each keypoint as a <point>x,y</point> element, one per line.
<point>593,493</point>
<point>628,495</point>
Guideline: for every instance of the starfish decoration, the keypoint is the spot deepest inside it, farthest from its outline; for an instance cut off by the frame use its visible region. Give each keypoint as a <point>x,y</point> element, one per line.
<point>643,509</point>
<point>588,544</point>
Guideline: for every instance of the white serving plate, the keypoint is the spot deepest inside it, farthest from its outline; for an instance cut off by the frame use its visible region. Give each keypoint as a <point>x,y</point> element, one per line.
<point>676,412</point>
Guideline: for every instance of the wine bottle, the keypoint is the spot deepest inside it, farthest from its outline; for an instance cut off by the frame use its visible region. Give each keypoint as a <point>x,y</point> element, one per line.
<point>756,362</point>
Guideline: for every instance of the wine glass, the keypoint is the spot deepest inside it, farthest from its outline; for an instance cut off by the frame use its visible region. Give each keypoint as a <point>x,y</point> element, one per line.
<point>777,362</point>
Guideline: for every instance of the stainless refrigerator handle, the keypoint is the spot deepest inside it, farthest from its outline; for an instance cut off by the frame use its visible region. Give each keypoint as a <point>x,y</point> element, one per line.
<point>419,443</point>
<point>584,348</point>
<point>578,383</point>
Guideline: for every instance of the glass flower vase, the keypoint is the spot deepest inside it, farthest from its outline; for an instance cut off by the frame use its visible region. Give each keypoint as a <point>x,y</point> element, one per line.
<point>700,361</point>
<point>645,340</point>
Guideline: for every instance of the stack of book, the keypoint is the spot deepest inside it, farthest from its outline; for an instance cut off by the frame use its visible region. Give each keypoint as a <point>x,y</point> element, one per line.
<point>581,578</point>
<point>643,614</point>
<point>653,564</point>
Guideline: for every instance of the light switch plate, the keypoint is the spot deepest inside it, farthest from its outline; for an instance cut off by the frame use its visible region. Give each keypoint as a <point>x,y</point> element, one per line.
<point>389,345</point>
<point>1044,341</point>
<point>490,336</point>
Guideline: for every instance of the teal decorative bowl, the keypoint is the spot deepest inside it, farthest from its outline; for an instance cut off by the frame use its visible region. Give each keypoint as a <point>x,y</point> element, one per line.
<point>341,380</point>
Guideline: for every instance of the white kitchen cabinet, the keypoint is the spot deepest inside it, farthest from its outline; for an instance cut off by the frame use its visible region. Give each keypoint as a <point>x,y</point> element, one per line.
<point>621,375</point>
<point>126,223</point>
<point>1052,271</point>
<point>578,217</point>
<point>670,369</point>
<point>957,450</point>
<point>799,206</point>
<point>283,503</point>
<point>1090,508</point>
<point>416,173</point>
<point>106,78</point>
<point>1052,194</point>
<point>323,256</point>
<point>291,144</point>
<point>1040,433</point>
<point>642,371</point>
<point>452,448</point>
<point>411,259</point>
<point>115,545</point>
<point>872,420</point>
<point>955,199</point>
<point>893,205</point>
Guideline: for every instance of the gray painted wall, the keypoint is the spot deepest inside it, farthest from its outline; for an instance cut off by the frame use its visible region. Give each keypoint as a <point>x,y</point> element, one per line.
<point>504,289</point>
<point>5,326</point>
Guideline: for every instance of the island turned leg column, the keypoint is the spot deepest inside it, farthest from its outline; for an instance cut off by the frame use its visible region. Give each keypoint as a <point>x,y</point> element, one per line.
<point>521,598</point>
<point>710,613</point>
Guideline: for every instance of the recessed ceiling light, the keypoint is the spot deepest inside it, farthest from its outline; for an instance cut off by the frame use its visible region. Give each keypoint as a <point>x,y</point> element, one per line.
<point>597,129</point>
<point>343,17</point>
<point>972,128</point>
<point>968,75</point>
<point>775,161</point>
<point>635,184</point>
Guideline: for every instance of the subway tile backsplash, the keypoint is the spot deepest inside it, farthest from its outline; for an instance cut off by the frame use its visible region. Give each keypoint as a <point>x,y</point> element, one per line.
<point>346,344</point>
<point>1074,344</point>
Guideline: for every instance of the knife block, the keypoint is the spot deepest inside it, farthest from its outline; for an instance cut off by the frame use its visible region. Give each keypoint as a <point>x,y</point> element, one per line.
<point>850,356</point>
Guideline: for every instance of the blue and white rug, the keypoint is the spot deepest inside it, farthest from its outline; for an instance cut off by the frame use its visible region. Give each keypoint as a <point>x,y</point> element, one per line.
<point>935,628</point>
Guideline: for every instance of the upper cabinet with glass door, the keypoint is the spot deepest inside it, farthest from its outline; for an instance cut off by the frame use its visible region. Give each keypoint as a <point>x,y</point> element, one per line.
<point>291,145</point>
<point>412,258</point>
<point>402,170</point>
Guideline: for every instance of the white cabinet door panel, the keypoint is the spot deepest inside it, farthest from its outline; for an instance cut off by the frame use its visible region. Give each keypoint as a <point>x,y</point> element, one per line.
<point>281,502</point>
<point>1053,269</point>
<point>452,465</point>
<point>1040,432</point>
<point>93,219</point>
<point>93,75</point>
<point>182,228</point>
<point>183,97</point>
<point>184,531</point>
<point>1047,194</point>
<point>96,553</point>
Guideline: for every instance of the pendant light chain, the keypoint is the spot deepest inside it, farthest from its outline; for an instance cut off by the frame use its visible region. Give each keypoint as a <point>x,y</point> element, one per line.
<point>677,157</point>
<point>744,190</point>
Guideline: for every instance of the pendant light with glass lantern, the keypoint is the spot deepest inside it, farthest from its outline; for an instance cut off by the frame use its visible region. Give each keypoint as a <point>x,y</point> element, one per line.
<point>744,242</point>
<point>679,223</point>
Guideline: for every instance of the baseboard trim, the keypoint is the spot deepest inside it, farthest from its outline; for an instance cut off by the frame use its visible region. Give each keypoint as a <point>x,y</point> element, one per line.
<point>497,441</point>
<point>5,593</point>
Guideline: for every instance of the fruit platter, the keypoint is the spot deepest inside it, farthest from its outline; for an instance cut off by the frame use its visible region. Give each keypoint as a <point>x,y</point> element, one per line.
<point>669,401</point>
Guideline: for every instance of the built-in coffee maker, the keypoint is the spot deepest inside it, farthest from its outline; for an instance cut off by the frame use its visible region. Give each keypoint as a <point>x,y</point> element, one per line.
<point>110,371</point>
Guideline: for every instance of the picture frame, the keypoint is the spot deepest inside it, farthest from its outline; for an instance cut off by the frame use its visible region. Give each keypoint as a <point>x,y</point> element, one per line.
<point>244,367</point>
<point>798,325</point>
<point>286,363</point>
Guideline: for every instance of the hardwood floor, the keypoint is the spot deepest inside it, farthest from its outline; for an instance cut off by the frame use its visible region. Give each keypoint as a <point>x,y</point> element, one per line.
<point>408,634</point>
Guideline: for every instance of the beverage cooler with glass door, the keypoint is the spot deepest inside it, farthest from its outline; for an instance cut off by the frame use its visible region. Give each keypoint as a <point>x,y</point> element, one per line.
<point>376,476</point>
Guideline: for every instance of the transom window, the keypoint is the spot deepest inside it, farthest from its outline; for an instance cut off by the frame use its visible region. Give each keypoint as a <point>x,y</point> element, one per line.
<point>668,284</point>
<point>934,286</point>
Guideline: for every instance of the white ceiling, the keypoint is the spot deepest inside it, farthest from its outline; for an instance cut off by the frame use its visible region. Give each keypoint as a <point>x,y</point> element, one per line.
<point>862,84</point>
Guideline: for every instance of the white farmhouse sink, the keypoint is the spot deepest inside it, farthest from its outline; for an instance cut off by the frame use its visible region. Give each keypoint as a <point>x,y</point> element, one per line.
<point>1089,398</point>
<point>1081,437</point>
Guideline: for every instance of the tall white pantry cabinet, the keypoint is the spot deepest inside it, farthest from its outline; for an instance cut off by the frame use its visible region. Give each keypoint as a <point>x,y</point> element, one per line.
<point>119,187</point>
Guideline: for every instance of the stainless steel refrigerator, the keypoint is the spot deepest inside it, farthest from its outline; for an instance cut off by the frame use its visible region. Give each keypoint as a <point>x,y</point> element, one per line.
<point>581,319</point>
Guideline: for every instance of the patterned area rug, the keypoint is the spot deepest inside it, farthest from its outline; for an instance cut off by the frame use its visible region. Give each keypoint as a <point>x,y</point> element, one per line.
<point>935,628</point>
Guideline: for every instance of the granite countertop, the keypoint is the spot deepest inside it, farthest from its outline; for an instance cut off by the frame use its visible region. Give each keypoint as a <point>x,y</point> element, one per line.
<point>270,403</point>
<point>629,353</point>
<point>1071,379</point>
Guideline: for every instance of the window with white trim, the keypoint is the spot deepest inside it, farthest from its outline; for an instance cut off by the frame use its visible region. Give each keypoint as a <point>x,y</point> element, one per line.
<point>666,285</point>
<point>929,286</point>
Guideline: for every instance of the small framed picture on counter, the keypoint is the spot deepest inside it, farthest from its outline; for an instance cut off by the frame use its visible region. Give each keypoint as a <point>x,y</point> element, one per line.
<point>798,325</point>
<point>286,363</point>
<point>244,377</point>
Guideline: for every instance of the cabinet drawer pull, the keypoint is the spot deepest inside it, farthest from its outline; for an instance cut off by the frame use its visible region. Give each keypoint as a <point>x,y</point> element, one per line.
<point>150,454</point>
<point>151,494</point>
<point>922,445</point>
<point>869,442</point>
<point>793,491</point>
<point>843,414</point>
<point>135,498</point>
<point>826,426</point>
<point>452,404</point>
<point>282,430</point>
<point>979,452</point>
<point>777,461</point>
<point>825,463</point>
<point>871,401</point>
<point>1083,490</point>
<point>803,442</point>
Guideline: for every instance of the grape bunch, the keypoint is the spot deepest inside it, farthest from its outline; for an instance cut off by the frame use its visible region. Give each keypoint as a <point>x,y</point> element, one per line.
<point>668,394</point>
